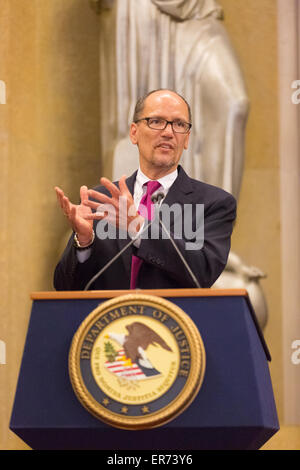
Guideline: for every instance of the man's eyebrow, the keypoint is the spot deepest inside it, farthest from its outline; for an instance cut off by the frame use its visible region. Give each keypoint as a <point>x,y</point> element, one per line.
<point>175,119</point>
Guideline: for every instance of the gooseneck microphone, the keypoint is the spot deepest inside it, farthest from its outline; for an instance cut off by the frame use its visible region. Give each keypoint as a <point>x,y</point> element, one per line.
<point>107,265</point>
<point>156,199</point>
<point>110,262</point>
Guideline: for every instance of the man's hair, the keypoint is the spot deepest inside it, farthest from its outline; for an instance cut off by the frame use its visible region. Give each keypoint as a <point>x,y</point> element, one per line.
<point>139,107</point>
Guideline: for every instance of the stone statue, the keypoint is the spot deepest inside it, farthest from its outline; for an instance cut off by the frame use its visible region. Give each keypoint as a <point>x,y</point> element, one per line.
<point>238,275</point>
<point>150,44</point>
<point>182,46</point>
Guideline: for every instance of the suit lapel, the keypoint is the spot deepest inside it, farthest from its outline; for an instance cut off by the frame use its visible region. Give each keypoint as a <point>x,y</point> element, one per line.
<point>181,190</point>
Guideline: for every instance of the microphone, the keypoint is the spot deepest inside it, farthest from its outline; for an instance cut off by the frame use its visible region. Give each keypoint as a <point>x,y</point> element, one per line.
<point>159,197</point>
<point>107,265</point>
<point>156,199</point>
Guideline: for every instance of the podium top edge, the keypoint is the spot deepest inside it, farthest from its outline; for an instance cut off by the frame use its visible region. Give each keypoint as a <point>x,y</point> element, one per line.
<point>107,294</point>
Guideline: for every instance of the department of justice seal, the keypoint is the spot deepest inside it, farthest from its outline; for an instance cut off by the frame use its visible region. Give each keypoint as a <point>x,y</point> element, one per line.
<point>137,361</point>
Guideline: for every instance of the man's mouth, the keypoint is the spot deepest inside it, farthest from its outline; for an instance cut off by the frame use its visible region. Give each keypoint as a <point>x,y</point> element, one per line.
<point>165,145</point>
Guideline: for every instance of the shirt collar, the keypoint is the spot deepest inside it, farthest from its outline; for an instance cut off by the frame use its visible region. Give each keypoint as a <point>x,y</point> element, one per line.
<point>166,181</point>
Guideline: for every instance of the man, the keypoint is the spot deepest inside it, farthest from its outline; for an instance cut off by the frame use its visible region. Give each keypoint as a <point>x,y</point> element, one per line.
<point>161,130</point>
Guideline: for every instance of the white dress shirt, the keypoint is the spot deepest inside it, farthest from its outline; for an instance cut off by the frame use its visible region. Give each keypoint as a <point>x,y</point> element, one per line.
<point>139,190</point>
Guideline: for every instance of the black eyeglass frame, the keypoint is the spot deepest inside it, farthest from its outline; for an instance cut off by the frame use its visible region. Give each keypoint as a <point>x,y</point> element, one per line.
<point>166,123</point>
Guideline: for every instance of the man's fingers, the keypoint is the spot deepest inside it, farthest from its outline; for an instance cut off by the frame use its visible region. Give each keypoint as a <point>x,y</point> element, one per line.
<point>66,205</point>
<point>112,188</point>
<point>72,213</point>
<point>92,204</point>
<point>64,201</point>
<point>95,216</point>
<point>83,194</point>
<point>59,195</point>
<point>58,190</point>
<point>123,186</point>
<point>100,197</point>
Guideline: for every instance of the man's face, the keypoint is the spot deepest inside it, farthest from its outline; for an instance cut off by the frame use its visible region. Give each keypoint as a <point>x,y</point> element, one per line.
<point>160,150</point>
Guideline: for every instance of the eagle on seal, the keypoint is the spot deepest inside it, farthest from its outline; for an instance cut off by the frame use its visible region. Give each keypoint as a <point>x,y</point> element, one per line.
<point>137,341</point>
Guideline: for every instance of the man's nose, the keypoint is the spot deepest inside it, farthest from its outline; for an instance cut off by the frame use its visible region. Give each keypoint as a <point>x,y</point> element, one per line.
<point>168,130</point>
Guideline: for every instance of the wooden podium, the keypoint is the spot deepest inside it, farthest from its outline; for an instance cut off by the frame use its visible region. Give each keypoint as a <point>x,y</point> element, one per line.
<point>234,409</point>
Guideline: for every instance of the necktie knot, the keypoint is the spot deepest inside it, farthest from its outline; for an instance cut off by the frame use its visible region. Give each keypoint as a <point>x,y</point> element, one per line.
<point>152,186</point>
<point>146,207</point>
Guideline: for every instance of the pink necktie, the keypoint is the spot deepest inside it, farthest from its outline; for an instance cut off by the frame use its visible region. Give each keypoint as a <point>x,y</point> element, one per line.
<point>146,210</point>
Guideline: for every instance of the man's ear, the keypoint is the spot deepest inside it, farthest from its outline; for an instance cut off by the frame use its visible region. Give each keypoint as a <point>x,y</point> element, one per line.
<point>186,141</point>
<point>133,133</point>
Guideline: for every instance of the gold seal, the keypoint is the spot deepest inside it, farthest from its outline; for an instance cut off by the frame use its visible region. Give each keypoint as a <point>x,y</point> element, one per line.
<point>137,361</point>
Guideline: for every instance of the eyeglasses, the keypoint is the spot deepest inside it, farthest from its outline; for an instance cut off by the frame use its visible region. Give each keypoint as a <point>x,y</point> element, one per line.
<point>159,124</point>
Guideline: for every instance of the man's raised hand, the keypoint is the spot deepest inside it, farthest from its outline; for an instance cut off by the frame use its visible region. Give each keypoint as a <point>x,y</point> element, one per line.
<point>119,209</point>
<point>78,215</point>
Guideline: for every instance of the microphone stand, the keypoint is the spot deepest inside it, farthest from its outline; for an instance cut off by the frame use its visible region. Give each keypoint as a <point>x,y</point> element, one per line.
<point>156,199</point>
<point>107,265</point>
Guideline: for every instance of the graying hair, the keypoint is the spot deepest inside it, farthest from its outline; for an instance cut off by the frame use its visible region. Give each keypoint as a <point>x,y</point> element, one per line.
<point>139,107</point>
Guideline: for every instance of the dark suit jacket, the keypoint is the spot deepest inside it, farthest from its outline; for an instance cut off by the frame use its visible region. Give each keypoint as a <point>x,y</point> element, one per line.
<point>162,267</point>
